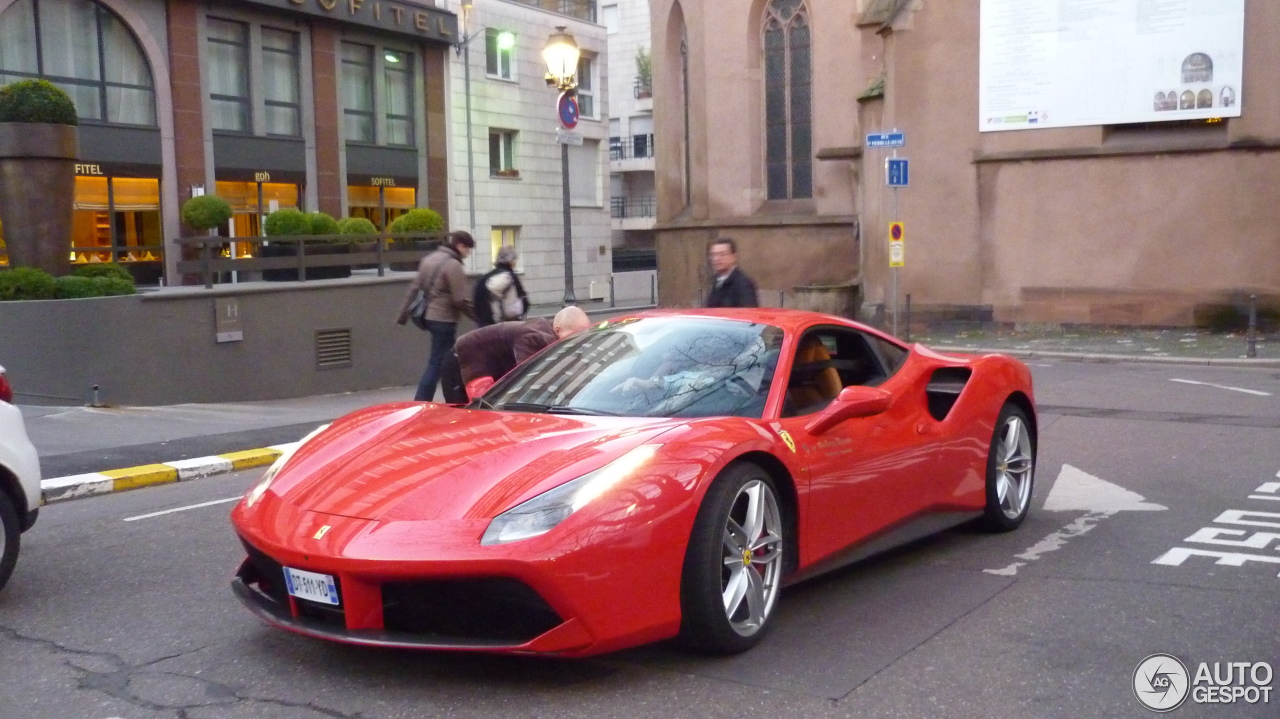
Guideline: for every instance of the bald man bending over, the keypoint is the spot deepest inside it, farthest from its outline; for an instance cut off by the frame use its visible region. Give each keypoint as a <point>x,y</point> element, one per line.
<point>495,350</point>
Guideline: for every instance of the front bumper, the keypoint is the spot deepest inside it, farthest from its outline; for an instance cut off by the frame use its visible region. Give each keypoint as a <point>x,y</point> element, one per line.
<point>565,637</point>
<point>431,585</point>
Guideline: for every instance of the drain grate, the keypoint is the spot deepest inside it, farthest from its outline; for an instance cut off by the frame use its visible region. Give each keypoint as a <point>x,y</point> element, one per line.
<point>333,348</point>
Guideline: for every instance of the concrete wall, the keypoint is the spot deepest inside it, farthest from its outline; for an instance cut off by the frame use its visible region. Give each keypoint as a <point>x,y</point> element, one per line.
<point>161,348</point>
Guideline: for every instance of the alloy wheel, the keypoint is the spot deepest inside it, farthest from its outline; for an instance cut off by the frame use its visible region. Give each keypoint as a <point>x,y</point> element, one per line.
<point>1014,466</point>
<point>752,554</point>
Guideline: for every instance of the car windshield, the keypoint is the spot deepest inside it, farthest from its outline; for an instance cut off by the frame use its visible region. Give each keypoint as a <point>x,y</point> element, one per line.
<point>653,367</point>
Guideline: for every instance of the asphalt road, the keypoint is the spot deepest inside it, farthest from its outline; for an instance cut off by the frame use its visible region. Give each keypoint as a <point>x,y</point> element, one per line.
<point>112,615</point>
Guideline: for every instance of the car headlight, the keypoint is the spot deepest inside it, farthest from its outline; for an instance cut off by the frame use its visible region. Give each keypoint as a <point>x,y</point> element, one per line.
<point>545,511</point>
<point>259,489</point>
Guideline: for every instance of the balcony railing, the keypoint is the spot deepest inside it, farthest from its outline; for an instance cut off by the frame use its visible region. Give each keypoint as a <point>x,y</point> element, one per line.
<point>643,87</point>
<point>636,146</point>
<point>581,9</point>
<point>622,208</point>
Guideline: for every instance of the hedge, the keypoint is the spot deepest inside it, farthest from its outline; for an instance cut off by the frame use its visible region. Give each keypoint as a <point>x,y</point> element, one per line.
<point>420,220</point>
<point>287,223</point>
<point>37,101</point>
<point>205,212</point>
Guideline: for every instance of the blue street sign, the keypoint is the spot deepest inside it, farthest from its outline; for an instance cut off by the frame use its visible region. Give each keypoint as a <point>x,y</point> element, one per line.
<point>896,172</point>
<point>887,139</point>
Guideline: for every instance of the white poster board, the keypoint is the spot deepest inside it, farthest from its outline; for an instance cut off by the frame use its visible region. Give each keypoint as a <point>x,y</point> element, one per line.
<point>1064,63</point>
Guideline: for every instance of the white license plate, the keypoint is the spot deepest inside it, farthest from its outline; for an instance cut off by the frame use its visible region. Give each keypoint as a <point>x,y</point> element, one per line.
<point>310,585</point>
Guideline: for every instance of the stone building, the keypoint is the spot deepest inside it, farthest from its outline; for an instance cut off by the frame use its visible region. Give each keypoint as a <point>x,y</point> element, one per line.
<point>762,109</point>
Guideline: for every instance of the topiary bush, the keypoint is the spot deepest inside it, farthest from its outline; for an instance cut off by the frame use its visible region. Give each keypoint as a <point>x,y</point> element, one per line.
<point>322,224</point>
<point>287,223</point>
<point>420,220</point>
<point>27,283</point>
<point>37,101</point>
<point>357,226</point>
<point>103,269</point>
<point>205,212</point>
<point>72,287</point>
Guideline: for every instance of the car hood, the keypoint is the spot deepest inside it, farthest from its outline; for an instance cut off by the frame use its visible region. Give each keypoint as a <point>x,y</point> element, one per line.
<point>426,461</point>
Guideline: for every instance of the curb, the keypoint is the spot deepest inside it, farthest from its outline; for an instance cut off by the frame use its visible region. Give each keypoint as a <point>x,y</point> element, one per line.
<point>76,486</point>
<point>1102,357</point>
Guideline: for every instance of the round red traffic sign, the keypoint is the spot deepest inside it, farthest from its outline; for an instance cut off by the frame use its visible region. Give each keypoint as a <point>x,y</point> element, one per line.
<point>895,231</point>
<point>567,109</point>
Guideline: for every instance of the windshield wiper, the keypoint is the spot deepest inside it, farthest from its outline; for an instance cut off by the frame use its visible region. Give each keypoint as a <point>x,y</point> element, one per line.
<point>554,409</point>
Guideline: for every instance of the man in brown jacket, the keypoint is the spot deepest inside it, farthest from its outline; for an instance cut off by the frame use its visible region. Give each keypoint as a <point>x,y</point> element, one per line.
<point>495,350</point>
<point>444,279</point>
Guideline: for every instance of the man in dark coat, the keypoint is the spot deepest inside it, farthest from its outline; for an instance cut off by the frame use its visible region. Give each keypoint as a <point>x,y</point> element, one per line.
<point>731,287</point>
<point>495,350</point>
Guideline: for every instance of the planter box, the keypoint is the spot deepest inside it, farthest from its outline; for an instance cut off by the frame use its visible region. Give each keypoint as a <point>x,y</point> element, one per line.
<point>37,192</point>
<point>290,249</point>
<point>840,300</point>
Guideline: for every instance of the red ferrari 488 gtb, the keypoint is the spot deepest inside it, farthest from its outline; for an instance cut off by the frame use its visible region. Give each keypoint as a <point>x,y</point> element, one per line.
<point>659,475</point>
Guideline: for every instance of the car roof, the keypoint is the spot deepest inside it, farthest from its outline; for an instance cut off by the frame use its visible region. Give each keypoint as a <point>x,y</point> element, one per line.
<point>789,320</point>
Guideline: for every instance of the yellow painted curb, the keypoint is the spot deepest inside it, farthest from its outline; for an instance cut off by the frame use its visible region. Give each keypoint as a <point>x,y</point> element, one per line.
<point>251,458</point>
<point>143,476</point>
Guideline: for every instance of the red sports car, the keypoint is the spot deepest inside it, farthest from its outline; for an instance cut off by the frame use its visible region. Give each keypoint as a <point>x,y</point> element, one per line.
<point>659,475</point>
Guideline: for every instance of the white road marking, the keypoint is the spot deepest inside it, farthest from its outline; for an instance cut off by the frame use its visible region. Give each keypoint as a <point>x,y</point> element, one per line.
<point>1077,491</point>
<point>1176,556</point>
<point>1259,393</point>
<point>183,509</point>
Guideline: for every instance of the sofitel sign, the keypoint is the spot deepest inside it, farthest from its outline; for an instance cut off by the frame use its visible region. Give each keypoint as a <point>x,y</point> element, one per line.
<point>404,18</point>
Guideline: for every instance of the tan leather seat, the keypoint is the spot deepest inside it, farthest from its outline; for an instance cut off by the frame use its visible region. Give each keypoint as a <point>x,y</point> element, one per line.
<point>810,391</point>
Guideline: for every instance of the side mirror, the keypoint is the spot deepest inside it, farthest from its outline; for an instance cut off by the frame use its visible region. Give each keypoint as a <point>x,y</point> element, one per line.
<point>856,401</point>
<point>479,386</point>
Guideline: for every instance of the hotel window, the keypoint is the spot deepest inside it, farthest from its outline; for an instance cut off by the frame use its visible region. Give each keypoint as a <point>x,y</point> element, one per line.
<point>117,219</point>
<point>86,50</point>
<point>502,147</point>
<point>281,94</point>
<point>357,92</point>
<point>499,49</point>
<point>788,114</point>
<point>500,237</point>
<point>586,88</point>
<point>229,100</point>
<point>398,76</point>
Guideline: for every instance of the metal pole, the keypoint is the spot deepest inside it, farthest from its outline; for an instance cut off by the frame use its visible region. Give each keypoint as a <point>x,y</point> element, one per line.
<point>471,165</point>
<point>782,296</point>
<point>653,289</point>
<point>569,299</point>
<point>1252,351</point>
<point>908,337</point>
<point>894,279</point>
<point>612,298</point>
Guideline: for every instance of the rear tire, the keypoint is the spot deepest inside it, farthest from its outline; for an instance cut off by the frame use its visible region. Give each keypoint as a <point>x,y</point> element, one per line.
<point>10,533</point>
<point>1011,465</point>
<point>734,564</point>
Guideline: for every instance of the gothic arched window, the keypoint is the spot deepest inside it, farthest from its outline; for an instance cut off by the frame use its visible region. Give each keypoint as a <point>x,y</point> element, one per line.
<point>788,117</point>
<point>83,48</point>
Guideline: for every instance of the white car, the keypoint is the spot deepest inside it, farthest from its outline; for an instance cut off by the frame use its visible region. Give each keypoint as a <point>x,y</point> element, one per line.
<point>19,480</point>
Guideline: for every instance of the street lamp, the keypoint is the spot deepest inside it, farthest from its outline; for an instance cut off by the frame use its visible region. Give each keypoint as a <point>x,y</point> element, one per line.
<point>561,55</point>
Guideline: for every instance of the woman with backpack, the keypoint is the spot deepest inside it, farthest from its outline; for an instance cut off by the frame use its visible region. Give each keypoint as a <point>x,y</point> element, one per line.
<point>499,296</point>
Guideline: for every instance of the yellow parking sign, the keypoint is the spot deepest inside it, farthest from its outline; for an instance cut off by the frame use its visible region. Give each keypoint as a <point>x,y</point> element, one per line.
<point>897,242</point>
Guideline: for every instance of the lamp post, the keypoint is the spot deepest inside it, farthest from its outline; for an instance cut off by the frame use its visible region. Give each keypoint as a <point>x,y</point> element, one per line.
<point>561,55</point>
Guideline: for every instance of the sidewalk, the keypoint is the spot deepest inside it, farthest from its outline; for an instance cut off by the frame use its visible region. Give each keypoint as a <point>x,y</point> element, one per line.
<point>96,450</point>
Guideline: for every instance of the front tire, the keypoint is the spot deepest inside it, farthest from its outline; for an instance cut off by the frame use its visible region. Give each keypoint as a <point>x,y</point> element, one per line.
<point>10,532</point>
<point>1011,465</point>
<point>733,566</point>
